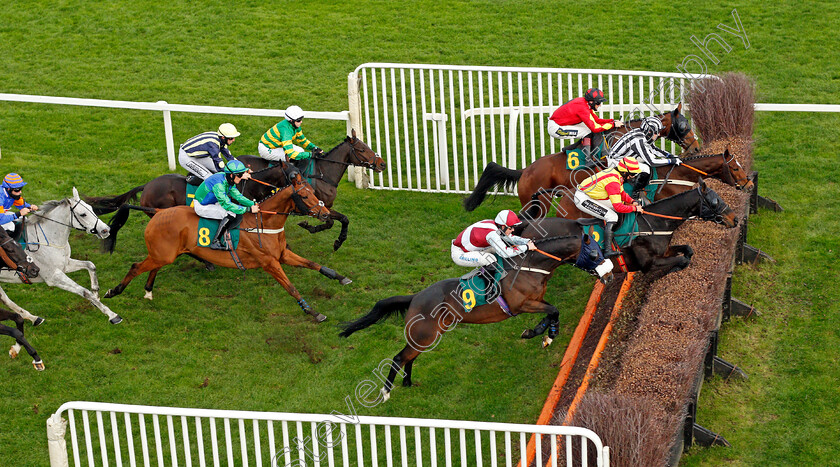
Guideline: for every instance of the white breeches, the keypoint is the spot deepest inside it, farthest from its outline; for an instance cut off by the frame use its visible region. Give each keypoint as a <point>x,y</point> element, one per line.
<point>276,154</point>
<point>472,259</point>
<point>199,166</point>
<point>567,131</point>
<point>600,208</point>
<point>210,211</point>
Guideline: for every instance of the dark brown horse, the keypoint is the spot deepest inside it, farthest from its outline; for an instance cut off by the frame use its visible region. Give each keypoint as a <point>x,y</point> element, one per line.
<point>170,189</point>
<point>436,310</point>
<point>13,257</point>
<point>173,232</point>
<point>550,171</point>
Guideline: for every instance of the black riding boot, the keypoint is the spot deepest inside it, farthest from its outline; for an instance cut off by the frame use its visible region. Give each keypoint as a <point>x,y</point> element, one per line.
<point>216,243</point>
<point>595,143</point>
<point>641,182</point>
<point>608,237</point>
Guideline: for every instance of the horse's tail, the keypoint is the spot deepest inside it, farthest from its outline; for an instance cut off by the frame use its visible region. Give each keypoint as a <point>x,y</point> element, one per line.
<point>104,204</point>
<point>494,175</point>
<point>380,311</point>
<point>118,221</point>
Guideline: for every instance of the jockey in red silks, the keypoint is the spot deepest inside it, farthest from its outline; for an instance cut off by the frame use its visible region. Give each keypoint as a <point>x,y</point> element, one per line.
<point>576,119</point>
<point>476,245</point>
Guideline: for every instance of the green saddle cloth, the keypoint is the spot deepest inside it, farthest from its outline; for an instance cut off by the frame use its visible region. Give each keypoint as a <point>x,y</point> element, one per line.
<point>475,290</point>
<point>191,189</point>
<point>575,159</point>
<point>207,228</point>
<point>307,170</point>
<point>622,235</point>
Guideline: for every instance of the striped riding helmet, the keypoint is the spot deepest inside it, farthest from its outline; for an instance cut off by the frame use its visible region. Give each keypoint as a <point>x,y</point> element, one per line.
<point>629,164</point>
<point>13,180</point>
<point>507,218</point>
<point>651,126</point>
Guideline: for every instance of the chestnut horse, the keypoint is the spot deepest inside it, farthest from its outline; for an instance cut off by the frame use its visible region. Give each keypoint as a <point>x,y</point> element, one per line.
<point>550,171</point>
<point>173,232</point>
<point>170,190</point>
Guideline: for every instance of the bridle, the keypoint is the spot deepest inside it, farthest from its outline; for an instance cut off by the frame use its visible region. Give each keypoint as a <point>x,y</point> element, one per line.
<point>679,136</point>
<point>75,217</point>
<point>708,211</point>
<point>356,153</point>
<point>19,268</point>
<point>741,181</point>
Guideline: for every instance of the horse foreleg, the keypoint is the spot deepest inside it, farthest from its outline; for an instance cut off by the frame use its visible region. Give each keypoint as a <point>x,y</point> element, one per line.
<point>292,259</point>
<point>17,335</point>
<point>276,271</point>
<point>677,258</point>
<point>36,320</point>
<point>407,377</point>
<point>318,228</point>
<point>550,321</point>
<point>74,265</point>
<point>62,281</point>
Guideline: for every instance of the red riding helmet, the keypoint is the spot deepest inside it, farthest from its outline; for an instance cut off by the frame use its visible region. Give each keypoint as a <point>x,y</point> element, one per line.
<point>594,96</point>
<point>507,218</point>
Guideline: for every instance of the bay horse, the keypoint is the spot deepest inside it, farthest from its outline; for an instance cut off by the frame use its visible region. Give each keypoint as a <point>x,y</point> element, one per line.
<point>173,232</point>
<point>550,171</point>
<point>47,234</point>
<point>437,309</point>
<point>169,190</point>
<point>14,258</point>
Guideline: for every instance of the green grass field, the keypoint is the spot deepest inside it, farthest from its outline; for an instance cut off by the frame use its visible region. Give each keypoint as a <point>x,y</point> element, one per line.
<point>229,340</point>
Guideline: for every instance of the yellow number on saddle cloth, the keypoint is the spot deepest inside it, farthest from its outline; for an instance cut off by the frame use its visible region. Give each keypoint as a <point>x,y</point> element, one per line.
<point>573,159</point>
<point>204,236</point>
<point>468,297</point>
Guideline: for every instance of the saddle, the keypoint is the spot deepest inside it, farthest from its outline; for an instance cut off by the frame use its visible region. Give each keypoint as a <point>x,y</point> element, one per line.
<point>481,285</point>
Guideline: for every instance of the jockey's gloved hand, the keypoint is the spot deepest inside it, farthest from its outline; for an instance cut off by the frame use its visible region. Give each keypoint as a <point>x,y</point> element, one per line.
<point>318,152</point>
<point>677,161</point>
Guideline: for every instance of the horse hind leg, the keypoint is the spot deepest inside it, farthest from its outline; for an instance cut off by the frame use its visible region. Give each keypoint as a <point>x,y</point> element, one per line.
<point>17,335</point>
<point>150,284</point>
<point>404,358</point>
<point>36,320</point>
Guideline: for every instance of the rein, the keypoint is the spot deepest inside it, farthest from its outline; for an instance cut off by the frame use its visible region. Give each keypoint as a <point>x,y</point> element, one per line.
<point>695,169</point>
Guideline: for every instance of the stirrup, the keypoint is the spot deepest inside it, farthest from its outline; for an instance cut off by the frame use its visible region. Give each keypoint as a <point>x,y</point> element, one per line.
<point>217,245</point>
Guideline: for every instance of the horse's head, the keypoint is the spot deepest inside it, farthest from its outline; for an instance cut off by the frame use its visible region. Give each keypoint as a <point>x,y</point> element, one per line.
<point>736,172</point>
<point>678,129</point>
<point>362,155</point>
<point>306,202</point>
<point>13,255</point>
<point>713,208</point>
<point>83,218</point>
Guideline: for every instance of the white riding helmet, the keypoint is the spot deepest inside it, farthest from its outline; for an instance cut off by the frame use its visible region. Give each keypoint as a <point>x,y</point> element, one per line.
<point>293,113</point>
<point>651,126</point>
<point>507,218</point>
<point>228,130</point>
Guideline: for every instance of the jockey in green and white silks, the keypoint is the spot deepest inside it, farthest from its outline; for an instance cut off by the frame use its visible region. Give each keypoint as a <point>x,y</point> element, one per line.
<point>285,141</point>
<point>201,154</point>
<point>638,143</point>
<point>213,200</point>
<point>477,243</point>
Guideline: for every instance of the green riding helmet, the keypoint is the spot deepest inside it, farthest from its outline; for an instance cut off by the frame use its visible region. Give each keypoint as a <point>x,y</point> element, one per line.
<point>235,167</point>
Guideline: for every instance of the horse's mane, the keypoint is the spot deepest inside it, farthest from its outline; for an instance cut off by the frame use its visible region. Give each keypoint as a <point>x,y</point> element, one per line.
<point>700,156</point>
<point>682,193</point>
<point>45,208</point>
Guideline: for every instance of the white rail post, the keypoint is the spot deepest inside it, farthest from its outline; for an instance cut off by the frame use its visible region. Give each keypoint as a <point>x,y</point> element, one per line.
<point>167,128</point>
<point>514,119</point>
<point>56,427</point>
<point>354,173</point>
<point>443,149</point>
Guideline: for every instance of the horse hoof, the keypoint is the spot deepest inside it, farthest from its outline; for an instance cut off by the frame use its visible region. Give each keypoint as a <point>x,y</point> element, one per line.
<point>319,318</point>
<point>39,365</point>
<point>345,281</point>
<point>148,295</point>
<point>337,245</point>
<point>547,341</point>
<point>210,267</point>
<point>13,353</point>
<point>528,334</point>
<point>385,394</point>
<point>110,294</point>
<point>38,321</point>
<point>116,320</point>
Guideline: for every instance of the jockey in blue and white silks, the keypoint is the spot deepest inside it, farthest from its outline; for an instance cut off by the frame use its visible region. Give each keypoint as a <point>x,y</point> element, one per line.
<point>12,196</point>
<point>638,143</point>
<point>201,154</point>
